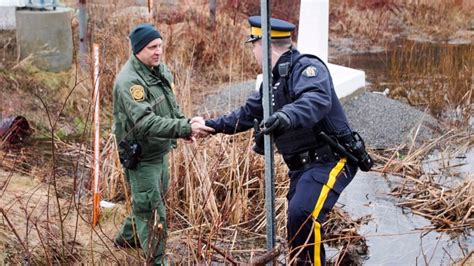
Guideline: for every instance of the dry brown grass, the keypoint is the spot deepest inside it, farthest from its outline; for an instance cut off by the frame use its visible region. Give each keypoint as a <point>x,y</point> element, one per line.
<point>447,206</point>
<point>224,178</point>
<point>378,22</point>
<point>369,25</point>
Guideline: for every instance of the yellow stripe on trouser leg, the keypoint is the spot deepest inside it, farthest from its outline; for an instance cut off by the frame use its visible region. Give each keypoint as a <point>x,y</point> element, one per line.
<point>319,205</point>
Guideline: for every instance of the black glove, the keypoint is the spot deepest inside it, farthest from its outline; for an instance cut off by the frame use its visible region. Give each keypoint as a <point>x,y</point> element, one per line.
<point>277,122</point>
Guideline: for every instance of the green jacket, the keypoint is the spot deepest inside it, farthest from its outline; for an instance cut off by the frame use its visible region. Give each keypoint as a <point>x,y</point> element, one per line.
<point>143,100</point>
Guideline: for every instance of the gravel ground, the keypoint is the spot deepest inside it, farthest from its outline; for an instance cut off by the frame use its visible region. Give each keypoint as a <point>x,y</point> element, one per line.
<point>386,123</point>
<point>381,121</point>
<point>229,98</point>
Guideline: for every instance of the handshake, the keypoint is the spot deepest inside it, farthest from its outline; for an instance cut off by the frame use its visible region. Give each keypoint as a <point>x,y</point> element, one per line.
<point>198,129</point>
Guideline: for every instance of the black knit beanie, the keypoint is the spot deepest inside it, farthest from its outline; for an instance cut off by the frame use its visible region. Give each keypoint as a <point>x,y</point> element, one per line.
<point>142,35</point>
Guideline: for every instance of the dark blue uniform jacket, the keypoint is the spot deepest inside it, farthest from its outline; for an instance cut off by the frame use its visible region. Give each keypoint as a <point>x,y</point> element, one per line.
<point>306,95</point>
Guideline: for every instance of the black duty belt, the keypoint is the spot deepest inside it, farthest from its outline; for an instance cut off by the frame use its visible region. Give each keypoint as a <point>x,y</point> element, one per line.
<point>321,154</point>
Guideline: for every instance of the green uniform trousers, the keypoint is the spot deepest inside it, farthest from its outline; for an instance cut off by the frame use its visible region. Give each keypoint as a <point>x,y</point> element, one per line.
<point>148,184</point>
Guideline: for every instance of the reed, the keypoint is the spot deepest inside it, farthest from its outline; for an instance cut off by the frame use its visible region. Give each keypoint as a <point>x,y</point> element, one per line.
<point>448,206</point>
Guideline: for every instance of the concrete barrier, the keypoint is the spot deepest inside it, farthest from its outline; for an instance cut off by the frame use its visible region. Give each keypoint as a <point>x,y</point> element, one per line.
<point>46,36</point>
<point>7,13</point>
<point>7,18</point>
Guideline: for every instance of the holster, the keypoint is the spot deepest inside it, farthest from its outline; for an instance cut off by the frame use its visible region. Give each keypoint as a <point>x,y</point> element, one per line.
<point>129,154</point>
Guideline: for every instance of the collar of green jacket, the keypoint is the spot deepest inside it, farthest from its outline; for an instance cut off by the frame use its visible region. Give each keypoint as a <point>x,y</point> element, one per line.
<point>151,76</point>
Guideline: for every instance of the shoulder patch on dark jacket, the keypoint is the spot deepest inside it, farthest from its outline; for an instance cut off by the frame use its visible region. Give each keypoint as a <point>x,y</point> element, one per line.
<point>310,72</point>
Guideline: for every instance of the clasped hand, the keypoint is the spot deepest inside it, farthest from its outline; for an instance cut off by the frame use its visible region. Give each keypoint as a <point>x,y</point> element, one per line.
<point>198,129</point>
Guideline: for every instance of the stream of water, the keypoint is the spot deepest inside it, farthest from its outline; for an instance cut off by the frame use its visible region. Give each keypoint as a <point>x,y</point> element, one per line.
<point>395,236</point>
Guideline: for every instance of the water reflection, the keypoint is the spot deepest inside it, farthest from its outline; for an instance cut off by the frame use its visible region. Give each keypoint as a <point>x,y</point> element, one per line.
<point>409,57</point>
<point>438,76</point>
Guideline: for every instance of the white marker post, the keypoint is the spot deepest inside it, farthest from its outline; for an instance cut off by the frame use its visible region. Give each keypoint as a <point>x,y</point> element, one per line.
<point>313,38</point>
<point>313,31</point>
<point>96,192</point>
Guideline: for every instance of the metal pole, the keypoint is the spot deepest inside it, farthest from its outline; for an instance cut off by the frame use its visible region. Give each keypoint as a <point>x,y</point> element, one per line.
<point>83,39</point>
<point>267,111</point>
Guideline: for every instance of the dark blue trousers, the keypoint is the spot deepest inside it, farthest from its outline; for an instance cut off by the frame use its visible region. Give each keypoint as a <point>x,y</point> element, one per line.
<point>312,194</point>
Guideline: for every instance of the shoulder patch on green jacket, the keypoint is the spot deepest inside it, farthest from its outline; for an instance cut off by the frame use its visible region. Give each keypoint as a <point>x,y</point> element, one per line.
<point>137,92</point>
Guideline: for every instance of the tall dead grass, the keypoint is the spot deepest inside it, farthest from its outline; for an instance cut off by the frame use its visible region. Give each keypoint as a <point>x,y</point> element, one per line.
<point>377,22</point>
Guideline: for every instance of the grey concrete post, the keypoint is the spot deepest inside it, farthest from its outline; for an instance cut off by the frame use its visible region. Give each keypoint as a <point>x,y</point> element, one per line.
<point>83,38</point>
<point>46,36</point>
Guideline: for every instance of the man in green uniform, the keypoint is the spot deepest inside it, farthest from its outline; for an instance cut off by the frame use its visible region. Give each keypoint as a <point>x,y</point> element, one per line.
<point>147,122</point>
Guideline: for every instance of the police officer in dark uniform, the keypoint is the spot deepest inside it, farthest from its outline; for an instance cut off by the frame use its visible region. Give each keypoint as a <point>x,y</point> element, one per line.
<point>305,105</point>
